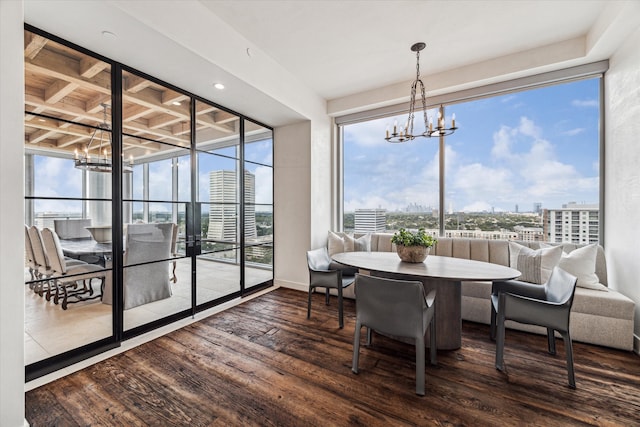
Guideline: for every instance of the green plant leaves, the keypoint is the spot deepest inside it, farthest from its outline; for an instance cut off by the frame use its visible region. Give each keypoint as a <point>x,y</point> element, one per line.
<point>408,238</point>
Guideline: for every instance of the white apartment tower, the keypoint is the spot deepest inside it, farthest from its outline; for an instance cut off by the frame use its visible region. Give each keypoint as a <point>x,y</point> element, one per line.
<point>573,223</point>
<point>225,203</point>
<point>370,220</point>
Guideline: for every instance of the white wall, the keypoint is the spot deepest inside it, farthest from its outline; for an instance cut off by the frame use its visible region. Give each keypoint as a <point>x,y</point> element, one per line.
<point>11,219</point>
<point>622,172</point>
<point>292,203</point>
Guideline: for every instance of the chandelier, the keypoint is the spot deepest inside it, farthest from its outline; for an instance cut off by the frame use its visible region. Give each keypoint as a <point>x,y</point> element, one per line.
<point>100,162</point>
<point>405,133</point>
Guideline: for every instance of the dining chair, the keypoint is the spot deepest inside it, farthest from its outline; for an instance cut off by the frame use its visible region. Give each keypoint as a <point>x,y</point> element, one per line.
<point>547,305</point>
<point>321,276</point>
<point>66,277</point>
<point>43,268</point>
<point>146,260</point>
<point>174,244</point>
<point>31,260</point>
<point>397,308</point>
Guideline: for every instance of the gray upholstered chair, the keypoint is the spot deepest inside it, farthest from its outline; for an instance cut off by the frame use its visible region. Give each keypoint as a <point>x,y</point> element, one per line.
<point>146,261</point>
<point>320,276</point>
<point>66,278</point>
<point>398,308</point>
<point>547,305</point>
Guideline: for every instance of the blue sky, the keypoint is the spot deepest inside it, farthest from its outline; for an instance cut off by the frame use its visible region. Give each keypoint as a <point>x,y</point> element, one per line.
<point>57,177</point>
<point>533,146</point>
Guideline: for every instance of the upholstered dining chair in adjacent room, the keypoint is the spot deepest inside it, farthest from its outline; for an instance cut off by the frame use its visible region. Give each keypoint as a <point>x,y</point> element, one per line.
<point>548,305</point>
<point>397,308</point>
<point>174,245</point>
<point>146,260</point>
<point>320,276</point>
<point>43,270</point>
<point>65,277</point>
<point>31,260</point>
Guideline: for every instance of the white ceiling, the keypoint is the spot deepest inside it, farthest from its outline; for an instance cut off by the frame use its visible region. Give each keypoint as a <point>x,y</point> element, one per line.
<point>309,58</point>
<point>339,48</point>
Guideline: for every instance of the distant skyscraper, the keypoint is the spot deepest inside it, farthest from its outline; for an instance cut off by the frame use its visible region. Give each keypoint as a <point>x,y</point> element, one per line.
<point>370,220</point>
<point>225,203</point>
<point>573,223</point>
<point>537,207</point>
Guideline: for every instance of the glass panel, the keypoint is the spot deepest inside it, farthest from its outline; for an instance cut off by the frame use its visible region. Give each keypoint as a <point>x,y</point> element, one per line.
<point>258,184</point>
<point>258,199</point>
<point>258,146</point>
<point>217,142</point>
<point>531,154</point>
<point>67,122</point>
<point>389,186</point>
<point>157,279</point>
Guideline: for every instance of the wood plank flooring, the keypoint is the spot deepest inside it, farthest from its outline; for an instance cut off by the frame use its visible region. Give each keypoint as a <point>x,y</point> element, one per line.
<point>263,363</point>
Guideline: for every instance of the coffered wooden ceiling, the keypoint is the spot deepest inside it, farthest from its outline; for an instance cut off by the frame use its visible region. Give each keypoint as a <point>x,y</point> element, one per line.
<point>66,93</point>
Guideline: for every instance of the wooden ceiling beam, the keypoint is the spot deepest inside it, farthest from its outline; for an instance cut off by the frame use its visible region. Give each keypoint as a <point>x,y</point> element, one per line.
<point>33,44</point>
<point>89,66</point>
<point>170,96</point>
<point>58,90</point>
<point>134,84</point>
<point>40,136</point>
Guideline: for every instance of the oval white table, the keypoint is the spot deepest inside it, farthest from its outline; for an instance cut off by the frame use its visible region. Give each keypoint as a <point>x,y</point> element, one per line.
<point>444,274</point>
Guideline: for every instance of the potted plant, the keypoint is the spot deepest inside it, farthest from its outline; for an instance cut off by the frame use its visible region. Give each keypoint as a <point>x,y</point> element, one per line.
<point>413,247</point>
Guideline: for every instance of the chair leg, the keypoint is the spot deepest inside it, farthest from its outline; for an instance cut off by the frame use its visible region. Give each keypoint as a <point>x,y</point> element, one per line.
<point>340,311</point>
<point>492,328</point>
<point>368,336</point>
<point>500,336</point>
<point>356,347</point>
<point>568,348</point>
<point>326,296</point>
<point>432,341</point>
<point>309,303</point>
<point>420,367</point>
<point>551,338</point>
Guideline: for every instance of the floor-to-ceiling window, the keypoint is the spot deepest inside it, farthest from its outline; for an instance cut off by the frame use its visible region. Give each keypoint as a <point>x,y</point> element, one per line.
<point>132,178</point>
<point>523,165</point>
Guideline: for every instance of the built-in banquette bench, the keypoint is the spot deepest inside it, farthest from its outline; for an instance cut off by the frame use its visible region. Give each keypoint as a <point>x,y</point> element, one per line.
<point>598,316</point>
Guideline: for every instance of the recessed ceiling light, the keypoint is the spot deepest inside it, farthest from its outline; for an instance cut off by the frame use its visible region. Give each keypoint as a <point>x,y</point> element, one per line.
<point>176,103</point>
<point>109,34</point>
<point>219,86</point>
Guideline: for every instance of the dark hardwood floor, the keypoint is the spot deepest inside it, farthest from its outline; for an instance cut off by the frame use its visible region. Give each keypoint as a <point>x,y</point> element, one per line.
<point>264,363</point>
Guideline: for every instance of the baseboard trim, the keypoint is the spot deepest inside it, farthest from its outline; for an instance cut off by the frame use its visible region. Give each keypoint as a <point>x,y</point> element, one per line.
<point>292,285</point>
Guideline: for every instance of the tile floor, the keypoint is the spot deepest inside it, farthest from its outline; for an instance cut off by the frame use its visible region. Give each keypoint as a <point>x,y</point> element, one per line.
<point>49,330</point>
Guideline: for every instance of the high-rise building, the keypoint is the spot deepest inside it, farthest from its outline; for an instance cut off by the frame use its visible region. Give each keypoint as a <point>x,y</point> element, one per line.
<point>573,223</point>
<point>370,220</point>
<point>224,209</point>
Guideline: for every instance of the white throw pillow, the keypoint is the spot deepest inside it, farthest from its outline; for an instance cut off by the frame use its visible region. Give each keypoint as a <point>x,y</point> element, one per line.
<point>535,265</point>
<point>581,263</point>
<point>335,244</point>
<point>363,243</point>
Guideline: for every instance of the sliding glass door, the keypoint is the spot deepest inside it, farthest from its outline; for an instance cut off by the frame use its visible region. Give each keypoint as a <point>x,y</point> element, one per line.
<point>162,200</point>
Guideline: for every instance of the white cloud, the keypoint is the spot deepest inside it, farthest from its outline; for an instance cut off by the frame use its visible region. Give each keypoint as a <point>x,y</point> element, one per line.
<point>573,132</point>
<point>585,103</point>
<point>264,185</point>
<point>528,128</point>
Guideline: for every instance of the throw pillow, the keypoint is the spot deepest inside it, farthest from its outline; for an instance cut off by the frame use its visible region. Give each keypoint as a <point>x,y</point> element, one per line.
<point>581,262</point>
<point>535,265</point>
<point>362,243</point>
<point>335,244</point>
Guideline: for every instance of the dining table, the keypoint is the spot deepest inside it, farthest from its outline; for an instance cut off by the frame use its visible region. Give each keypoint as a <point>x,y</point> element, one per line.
<point>444,274</point>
